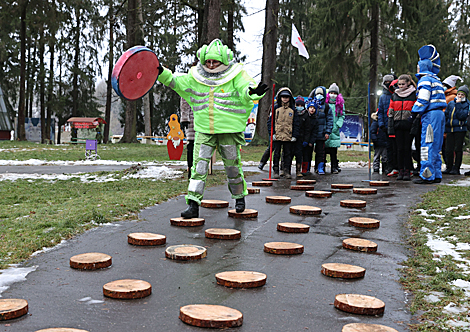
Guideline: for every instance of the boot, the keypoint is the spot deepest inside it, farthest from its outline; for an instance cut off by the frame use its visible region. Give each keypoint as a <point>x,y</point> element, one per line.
<point>447,170</point>
<point>298,172</point>
<point>287,174</point>
<point>192,211</point>
<point>321,168</point>
<point>261,166</point>
<point>406,175</point>
<point>400,175</point>
<point>240,205</point>
<point>304,167</point>
<point>454,171</point>
<point>282,173</point>
<point>276,173</point>
<point>334,168</point>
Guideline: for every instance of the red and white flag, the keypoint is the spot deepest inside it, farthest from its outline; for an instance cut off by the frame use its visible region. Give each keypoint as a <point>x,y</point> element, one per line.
<point>297,42</point>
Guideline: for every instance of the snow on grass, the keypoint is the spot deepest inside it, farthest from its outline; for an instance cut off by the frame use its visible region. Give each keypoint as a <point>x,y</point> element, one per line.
<point>424,213</point>
<point>38,162</point>
<point>151,172</point>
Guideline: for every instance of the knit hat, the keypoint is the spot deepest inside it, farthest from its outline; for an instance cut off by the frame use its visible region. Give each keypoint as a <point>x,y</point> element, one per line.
<point>387,78</point>
<point>333,88</point>
<point>300,101</point>
<point>463,89</point>
<point>451,81</point>
<point>318,91</point>
<point>429,52</point>
<point>310,102</point>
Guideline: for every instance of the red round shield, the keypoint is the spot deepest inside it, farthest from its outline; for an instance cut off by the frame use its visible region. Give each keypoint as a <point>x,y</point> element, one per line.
<point>135,72</point>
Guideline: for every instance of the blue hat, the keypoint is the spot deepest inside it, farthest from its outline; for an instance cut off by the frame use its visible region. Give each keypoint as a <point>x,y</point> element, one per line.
<point>310,102</point>
<point>429,52</point>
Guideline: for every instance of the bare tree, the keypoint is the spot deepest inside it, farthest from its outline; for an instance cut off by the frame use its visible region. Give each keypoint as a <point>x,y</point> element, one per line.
<point>268,68</point>
<point>212,21</point>
<point>23,5</point>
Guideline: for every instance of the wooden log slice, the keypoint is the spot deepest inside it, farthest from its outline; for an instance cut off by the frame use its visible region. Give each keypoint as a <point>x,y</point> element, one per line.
<point>241,279</point>
<point>253,190</point>
<point>346,271</point>
<point>318,193</point>
<point>127,289</point>
<point>306,181</point>
<point>248,213</point>
<point>379,183</point>
<point>341,186</point>
<point>364,222</point>
<point>268,179</point>
<point>186,252</point>
<point>12,308</point>
<point>278,199</point>
<point>262,183</point>
<point>353,203</point>
<point>223,234</point>
<point>91,261</point>
<point>61,329</point>
<point>283,248</point>
<point>365,191</point>
<point>360,245</point>
<point>359,304</point>
<point>192,222</point>
<point>304,210</point>
<point>206,315</point>
<point>292,227</point>
<point>302,187</point>
<point>146,239</point>
<point>214,203</point>
<point>361,327</point>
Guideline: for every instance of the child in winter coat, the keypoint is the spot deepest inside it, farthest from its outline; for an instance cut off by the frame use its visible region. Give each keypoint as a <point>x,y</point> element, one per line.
<point>382,114</point>
<point>285,130</point>
<point>304,133</point>
<point>379,138</point>
<point>335,101</point>
<point>325,126</point>
<point>310,136</point>
<point>456,128</point>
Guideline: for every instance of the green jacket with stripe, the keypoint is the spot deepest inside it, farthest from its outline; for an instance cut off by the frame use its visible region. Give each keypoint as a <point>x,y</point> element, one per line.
<point>220,101</point>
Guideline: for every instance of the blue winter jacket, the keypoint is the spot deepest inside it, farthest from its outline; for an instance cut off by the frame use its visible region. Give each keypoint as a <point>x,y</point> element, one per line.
<point>430,91</point>
<point>456,116</point>
<point>324,118</point>
<point>377,135</point>
<point>384,103</point>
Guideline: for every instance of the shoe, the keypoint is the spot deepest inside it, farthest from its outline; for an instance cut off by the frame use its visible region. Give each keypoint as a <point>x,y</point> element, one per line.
<point>376,171</point>
<point>339,169</point>
<point>447,170</point>
<point>454,171</point>
<point>394,172</point>
<point>287,175</point>
<point>298,170</point>
<point>406,175</point>
<point>421,181</point>
<point>261,166</point>
<point>437,180</point>
<point>276,175</point>
<point>400,175</point>
<point>467,173</point>
<point>282,173</point>
<point>240,205</point>
<point>192,211</point>
<point>334,170</point>
<point>321,168</point>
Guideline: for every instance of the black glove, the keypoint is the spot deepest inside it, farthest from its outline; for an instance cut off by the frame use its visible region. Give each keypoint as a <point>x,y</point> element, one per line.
<point>260,89</point>
<point>160,68</point>
<point>184,125</point>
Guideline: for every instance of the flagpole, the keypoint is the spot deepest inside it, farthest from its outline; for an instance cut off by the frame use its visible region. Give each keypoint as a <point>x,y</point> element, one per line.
<point>290,57</point>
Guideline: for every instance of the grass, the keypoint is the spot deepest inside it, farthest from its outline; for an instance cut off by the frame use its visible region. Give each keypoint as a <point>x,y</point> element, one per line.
<point>37,214</point>
<point>425,272</point>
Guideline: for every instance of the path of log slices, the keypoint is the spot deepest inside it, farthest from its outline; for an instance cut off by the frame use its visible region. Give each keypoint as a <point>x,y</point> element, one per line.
<point>217,316</point>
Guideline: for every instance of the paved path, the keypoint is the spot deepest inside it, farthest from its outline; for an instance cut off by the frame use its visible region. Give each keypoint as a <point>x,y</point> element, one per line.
<point>296,297</point>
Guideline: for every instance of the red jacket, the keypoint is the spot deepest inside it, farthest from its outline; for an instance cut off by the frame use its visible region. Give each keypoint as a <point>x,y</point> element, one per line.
<point>399,111</point>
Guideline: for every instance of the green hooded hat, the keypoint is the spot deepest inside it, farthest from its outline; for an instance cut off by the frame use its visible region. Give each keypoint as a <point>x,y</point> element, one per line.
<point>215,51</point>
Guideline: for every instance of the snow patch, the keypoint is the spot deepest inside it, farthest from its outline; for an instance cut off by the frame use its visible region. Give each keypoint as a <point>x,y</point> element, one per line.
<point>442,247</point>
<point>465,285</point>
<point>424,213</point>
<point>45,249</point>
<point>454,309</point>
<point>455,207</point>
<point>13,274</point>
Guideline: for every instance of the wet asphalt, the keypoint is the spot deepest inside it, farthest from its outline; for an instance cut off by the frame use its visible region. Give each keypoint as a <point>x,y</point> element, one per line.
<point>296,297</point>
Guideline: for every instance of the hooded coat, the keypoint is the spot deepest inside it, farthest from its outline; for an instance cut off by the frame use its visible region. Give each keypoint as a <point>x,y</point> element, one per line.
<point>286,122</point>
<point>334,141</point>
<point>456,116</point>
<point>324,116</point>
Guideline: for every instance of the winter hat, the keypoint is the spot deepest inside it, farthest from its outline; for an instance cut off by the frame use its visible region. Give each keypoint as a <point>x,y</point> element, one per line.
<point>388,78</point>
<point>333,88</point>
<point>429,52</point>
<point>310,102</point>
<point>318,91</point>
<point>285,92</point>
<point>300,101</point>
<point>451,81</point>
<point>374,116</point>
<point>463,89</point>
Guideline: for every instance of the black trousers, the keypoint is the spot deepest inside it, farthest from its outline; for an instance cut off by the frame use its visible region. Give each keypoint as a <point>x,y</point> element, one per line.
<point>298,152</point>
<point>265,157</point>
<point>319,152</point>
<point>392,153</point>
<point>403,140</point>
<point>454,144</point>
<point>333,152</point>
<point>287,148</point>
<point>189,156</point>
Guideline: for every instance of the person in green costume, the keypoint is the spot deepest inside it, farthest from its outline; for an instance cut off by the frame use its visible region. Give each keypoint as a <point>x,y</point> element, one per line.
<point>221,95</point>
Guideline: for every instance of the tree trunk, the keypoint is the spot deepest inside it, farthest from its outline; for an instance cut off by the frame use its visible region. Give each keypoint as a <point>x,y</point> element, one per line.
<point>21,107</point>
<point>200,23</point>
<point>107,116</point>
<point>75,71</point>
<point>42,104</point>
<point>230,42</point>
<point>212,14</point>
<point>268,68</point>
<point>31,81</point>
<point>51,78</point>
<point>374,55</point>
<point>131,112</point>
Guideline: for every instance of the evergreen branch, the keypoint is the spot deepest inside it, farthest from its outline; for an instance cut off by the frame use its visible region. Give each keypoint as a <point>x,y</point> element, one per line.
<point>189,5</point>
